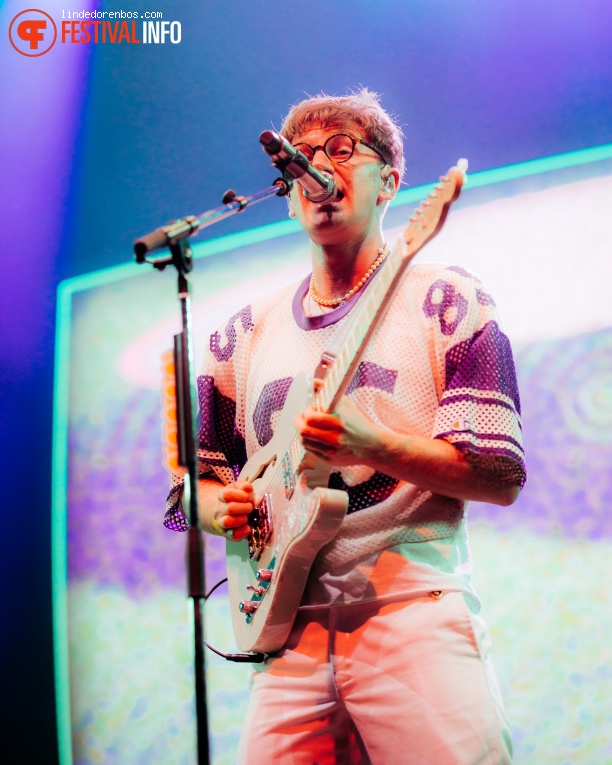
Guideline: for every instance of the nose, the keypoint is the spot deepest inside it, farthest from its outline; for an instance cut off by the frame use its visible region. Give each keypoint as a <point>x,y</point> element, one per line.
<point>322,162</point>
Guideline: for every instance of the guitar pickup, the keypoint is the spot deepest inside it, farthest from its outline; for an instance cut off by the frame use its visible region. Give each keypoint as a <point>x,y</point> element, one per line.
<point>260,521</point>
<point>288,476</point>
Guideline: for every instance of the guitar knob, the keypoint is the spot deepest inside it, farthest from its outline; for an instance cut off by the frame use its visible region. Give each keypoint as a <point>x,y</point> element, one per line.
<point>248,606</point>
<point>264,574</point>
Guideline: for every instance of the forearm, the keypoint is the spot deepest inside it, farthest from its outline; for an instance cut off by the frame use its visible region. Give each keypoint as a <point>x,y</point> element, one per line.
<point>347,437</point>
<point>437,466</point>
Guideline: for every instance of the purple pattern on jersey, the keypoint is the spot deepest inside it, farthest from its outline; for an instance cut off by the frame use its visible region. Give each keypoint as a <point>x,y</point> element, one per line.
<point>217,430</point>
<point>448,400</point>
<point>225,353</point>
<point>376,489</point>
<point>493,452</point>
<point>451,299</point>
<point>462,272</point>
<point>370,374</point>
<point>271,399</point>
<point>174,519</point>
<point>483,362</point>
<point>482,436</point>
<point>505,465</point>
<point>484,298</point>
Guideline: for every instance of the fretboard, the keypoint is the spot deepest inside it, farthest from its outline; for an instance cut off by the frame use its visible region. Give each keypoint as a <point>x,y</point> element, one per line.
<point>369,311</point>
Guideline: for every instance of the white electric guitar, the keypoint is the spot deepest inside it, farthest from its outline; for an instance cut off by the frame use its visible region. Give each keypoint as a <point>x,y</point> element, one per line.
<point>297,514</point>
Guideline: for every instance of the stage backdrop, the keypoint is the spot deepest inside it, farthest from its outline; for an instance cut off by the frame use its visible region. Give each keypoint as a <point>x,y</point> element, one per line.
<point>539,236</point>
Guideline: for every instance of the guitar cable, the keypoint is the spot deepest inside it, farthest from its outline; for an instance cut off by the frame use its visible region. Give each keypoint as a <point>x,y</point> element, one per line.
<point>252,658</point>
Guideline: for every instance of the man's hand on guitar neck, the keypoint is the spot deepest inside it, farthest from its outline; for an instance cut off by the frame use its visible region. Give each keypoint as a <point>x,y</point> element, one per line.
<point>348,437</point>
<point>224,510</point>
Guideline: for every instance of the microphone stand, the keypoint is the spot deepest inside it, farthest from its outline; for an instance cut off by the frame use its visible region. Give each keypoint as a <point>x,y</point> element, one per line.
<point>166,236</point>
<point>175,237</point>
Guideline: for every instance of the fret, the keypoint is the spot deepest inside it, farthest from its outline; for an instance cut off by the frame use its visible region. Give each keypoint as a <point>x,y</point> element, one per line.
<point>323,402</point>
<point>387,275</point>
<point>363,324</point>
<point>297,453</point>
<point>326,393</point>
<point>340,365</point>
<point>320,402</point>
<point>335,376</point>
<point>370,311</point>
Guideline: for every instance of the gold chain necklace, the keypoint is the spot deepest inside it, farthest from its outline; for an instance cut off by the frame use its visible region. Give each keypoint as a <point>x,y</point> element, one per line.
<point>382,254</point>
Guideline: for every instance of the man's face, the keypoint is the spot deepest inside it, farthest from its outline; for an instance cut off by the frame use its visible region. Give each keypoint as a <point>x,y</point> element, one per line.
<point>357,207</point>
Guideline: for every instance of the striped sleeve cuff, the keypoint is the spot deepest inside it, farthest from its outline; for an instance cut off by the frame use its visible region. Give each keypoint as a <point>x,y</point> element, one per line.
<point>486,428</point>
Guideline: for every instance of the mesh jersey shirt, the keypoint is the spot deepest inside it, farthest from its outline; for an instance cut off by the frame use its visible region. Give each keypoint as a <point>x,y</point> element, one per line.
<point>439,366</point>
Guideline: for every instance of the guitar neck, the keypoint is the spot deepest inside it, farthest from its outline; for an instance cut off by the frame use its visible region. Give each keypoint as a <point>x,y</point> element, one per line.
<point>370,310</point>
<point>339,364</point>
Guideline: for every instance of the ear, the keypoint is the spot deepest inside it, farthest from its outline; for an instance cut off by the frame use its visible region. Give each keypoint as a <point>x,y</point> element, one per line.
<point>389,183</point>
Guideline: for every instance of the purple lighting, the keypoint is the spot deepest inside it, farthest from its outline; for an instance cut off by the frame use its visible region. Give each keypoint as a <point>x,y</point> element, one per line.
<point>42,98</point>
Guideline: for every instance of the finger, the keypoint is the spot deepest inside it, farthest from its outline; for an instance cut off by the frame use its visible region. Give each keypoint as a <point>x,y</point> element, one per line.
<point>238,508</point>
<point>225,526</point>
<point>322,420</point>
<point>321,439</point>
<point>232,494</point>
<point>233,521</point>
<point>221,530</point>
<point>244,486</point>
<point>326,439</point>
<point>238,535</point>
<point>319,451</point>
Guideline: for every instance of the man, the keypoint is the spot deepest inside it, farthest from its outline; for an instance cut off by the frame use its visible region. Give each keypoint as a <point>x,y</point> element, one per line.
<point>388,658</point>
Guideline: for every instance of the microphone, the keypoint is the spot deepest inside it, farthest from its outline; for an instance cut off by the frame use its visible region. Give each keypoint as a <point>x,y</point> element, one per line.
<point>317,186</point>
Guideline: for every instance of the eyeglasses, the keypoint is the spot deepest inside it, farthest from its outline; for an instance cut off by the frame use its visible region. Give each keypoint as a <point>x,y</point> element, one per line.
<point>339,148</point>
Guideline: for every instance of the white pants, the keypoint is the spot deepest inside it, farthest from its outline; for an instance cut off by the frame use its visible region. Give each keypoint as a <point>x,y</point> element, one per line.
<point>402,683</point>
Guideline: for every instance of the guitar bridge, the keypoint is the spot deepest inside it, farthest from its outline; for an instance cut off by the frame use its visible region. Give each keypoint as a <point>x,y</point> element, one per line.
<point>260,521</point>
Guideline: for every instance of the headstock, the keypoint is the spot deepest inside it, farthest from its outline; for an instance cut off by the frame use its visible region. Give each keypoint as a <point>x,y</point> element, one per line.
<point>429,218</point>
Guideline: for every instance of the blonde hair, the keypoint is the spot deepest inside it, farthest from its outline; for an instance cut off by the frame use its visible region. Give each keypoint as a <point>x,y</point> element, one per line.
<point>361,108</point>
